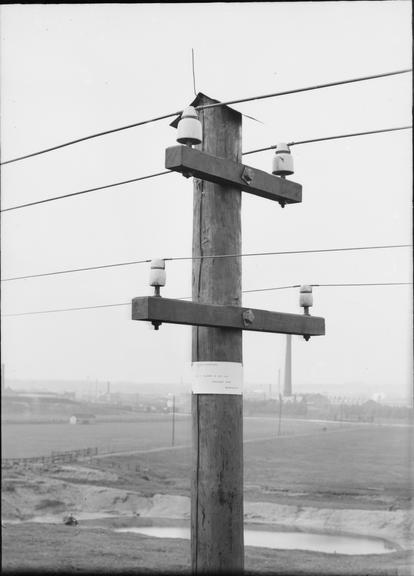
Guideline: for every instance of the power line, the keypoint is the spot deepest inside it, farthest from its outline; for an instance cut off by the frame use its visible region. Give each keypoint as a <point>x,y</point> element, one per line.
<point>364,284</point>
<point>178,113</point>
<point>130,263</point>
<point>169,172</point>
<point>306,89</point>
<point>280,253</point>
<point>188,297</point>
<point>349,135</point>
<point>85,191</point>
<point>68,309</point>
<point>268,289</point>
<point>329,138</point>
<point>91,136</point>
<point>332,285</point>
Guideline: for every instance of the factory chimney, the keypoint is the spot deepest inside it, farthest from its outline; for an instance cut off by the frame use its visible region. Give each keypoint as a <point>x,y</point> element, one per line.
<point>287,389</point>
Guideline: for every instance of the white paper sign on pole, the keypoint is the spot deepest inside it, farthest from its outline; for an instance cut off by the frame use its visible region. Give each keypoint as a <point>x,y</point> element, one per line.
<point>217,378</point>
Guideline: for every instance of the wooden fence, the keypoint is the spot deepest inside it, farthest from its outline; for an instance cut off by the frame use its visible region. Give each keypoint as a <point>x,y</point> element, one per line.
<point>54,458</point>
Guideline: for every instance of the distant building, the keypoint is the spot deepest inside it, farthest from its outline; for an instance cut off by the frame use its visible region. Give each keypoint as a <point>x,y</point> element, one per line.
<point>315,399</point>
<point>82,418</point>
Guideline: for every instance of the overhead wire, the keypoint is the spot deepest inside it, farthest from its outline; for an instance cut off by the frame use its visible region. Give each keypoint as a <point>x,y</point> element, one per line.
<point>342,285</point>
<point>71,270</point>
<point>324,138</point>
<point>205,257</point>
<point>34,203</point>
<point>363,284</point>
<point>298,142</point>
<point>207,106</point>
<point>355,134</point>
<point>188,297</point>
<point>90,137</point>
<point>284,252</point>
<point>306,89</point>
<point>68,309</point>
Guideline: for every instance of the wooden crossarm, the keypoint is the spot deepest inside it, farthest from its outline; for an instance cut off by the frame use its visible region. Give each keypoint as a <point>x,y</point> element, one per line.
<point>159,309</point>
<point>192,162</point>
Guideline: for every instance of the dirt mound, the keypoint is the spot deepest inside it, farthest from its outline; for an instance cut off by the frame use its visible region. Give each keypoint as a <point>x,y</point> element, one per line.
<point>46,498</point>
<point>165,506</point>
<point>35,496</point>
<point>82,473</point>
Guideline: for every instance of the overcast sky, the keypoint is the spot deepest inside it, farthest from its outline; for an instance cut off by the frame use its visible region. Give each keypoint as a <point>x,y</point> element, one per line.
<point>72,70</point>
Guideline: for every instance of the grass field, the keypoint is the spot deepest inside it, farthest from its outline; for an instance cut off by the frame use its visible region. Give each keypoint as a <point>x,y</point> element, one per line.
<point>319,464</point>
<point>348,462</point>
<point>352,467</point>
<point>147,432</point>
<point>361,465</point>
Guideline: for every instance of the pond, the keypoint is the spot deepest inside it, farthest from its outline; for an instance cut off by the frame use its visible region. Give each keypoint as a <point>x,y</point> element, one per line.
<point>328,543</point>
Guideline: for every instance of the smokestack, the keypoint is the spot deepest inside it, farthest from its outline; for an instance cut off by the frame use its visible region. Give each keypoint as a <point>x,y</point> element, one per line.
<point>287,389</point>
<point>3,384</point>
<point>108,388</point>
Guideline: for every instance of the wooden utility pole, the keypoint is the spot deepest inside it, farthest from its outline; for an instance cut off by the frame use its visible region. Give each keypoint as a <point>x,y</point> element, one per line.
<point>217,487</point>
<point>3,382</point>
<point>218,320</point>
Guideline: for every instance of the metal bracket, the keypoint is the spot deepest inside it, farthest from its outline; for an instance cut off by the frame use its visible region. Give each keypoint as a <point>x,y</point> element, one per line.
<point>247,175</point>
<point>248,317</point>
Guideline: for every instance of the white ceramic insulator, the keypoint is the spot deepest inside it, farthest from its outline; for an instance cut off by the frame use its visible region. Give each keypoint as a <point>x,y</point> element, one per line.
<point>306,299</point>
<point>282,161</point>
<point>157,273</point>
<point>189,127</point>
<point>306,296</point>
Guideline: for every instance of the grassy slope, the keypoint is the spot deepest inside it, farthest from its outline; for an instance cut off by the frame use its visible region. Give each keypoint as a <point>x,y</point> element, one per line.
<point>149,431</point>
<point>359,467</point>
<point>145,432</point>
<point>348,464</point>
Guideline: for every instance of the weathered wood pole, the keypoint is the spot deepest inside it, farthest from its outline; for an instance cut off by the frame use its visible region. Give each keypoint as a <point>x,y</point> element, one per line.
<point>217,486</point>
